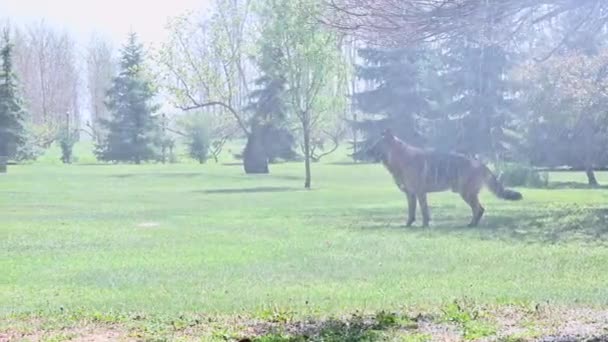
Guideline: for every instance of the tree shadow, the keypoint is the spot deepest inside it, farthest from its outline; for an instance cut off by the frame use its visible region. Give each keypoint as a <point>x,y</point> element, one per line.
<point>159,174</point>
<point>249,190</point>
<point>350,163</point>
<point>574,185</point>
<point>548,226</point>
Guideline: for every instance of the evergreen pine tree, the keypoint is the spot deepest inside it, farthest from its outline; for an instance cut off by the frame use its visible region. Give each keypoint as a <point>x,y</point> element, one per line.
<point>397,97</point>
<point>12,114</point>
<point>133,132</point>
<point>269,118</point>
<point>269,138</point>
<point>478,110</point>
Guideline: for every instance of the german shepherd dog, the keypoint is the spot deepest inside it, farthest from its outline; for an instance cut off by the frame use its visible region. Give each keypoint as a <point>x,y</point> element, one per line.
<point>419,171</point>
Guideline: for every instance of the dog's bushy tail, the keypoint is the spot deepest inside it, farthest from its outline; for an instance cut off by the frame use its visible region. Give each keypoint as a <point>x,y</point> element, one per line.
<point>499,190</point>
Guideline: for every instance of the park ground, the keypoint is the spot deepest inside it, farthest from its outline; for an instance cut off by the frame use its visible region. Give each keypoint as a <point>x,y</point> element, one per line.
<point>203,252</point>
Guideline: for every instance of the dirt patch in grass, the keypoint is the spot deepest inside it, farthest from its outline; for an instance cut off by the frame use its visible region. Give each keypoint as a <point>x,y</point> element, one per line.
<point>76,334</point>
<point>456,321</point>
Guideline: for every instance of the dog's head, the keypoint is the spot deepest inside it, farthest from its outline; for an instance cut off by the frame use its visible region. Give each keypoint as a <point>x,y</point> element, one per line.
<point>379,149</point>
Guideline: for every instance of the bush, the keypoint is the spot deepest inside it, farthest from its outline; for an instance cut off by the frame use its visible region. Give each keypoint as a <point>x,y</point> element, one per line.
<point>30,150</point>
<point>512,174</point>
<point>197,139</point>
<point>67,140</point>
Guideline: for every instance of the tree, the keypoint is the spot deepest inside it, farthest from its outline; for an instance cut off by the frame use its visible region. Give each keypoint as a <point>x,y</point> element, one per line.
<point>206,67</point>
<point>196,133</point>
<point>568,125</point>
<point>46,62</point>
<point>395,96</point>
<point>395,23</point>
<point>478,109</point>
<point>100,71</point>
<point>311,62</point>
<point>12,113</point>
<point>133,132</point>
<point>270,133</point>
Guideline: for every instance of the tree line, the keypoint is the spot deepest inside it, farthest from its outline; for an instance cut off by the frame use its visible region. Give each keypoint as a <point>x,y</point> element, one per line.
<point>514,82</point>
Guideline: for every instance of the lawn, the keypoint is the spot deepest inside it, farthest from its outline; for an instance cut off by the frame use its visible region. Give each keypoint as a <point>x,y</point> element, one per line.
<point>80,242</point>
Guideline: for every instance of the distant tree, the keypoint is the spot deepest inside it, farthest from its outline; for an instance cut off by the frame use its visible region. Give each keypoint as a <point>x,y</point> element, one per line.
<point>312,65</point>
<point>67,139</point>
<point>197,137</point>
<point>397,23</point>
<point>101,69</point>
<point>268,124</point>
<point>479,106</point>
<point>46,61</point>
<point>12,113</point>
<point>567,121</point>
<point>166,140</point>
<point>133,130</point>
<point>207,69</point>
<point>394,97</point>
<point>269,111</point>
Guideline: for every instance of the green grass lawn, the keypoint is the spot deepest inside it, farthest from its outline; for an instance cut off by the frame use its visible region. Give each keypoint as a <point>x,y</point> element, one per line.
<point>165,240</point>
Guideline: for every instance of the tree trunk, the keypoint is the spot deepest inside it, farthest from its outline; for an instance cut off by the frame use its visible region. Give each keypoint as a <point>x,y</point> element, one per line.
<point>307,156</point>
<point>3,163</point>
<point>254,156</point>
<point>591,180</point>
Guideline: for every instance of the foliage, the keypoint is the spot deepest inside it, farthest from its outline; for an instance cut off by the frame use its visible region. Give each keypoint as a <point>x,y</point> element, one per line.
<point>31,148</point>
<point>469,318</point>
<point>133,131</point>
<point>204,60</point>
<point>447,96</point>
<point>269,120</point>
<point>198,140</point>
<point>311,64</point>
<point>478,106</point>
<point>567,123</point>
<point>12,114</point>
<point>67,139</point>
<point>396,96</point>
<point>516,174</point>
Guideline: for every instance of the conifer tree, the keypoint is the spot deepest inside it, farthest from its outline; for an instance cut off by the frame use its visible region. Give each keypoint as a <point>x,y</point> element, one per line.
<point>133,130</point>
<point>12,114</point>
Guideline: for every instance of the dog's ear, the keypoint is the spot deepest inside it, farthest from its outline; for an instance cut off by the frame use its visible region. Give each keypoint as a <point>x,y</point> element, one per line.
<point>387,134</point>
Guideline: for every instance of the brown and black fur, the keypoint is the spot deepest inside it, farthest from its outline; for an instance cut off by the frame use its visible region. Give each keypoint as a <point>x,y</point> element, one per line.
<point>418,171</point>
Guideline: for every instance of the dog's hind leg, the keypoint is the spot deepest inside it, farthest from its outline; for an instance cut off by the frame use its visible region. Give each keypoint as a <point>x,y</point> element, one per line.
<point>476,207</point>
<point>424,209</point>
<point>411,208</point>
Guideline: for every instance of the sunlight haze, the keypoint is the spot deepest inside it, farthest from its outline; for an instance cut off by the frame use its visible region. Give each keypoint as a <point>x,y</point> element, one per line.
<point>111,18</point>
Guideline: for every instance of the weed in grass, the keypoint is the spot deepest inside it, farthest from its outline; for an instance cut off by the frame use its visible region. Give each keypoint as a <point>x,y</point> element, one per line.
<point>467,316</point>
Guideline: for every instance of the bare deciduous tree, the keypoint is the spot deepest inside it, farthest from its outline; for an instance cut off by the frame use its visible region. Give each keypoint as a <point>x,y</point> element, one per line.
<point>205,62</point>
<point>100,70</point>
<point>46,62</point>
<point>395,22</point>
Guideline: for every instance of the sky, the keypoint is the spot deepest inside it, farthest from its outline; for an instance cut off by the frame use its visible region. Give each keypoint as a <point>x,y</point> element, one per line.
<point>113,19</point>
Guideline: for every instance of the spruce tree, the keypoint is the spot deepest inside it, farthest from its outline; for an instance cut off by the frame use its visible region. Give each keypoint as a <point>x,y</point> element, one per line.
<point>12,114</point>
<point>478,112</point>
<point>396,97</point>
<point>269,118</point>
<point>133,130</point>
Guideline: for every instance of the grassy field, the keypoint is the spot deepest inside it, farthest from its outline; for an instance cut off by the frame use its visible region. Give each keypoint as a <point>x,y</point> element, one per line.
<point>135,247</point>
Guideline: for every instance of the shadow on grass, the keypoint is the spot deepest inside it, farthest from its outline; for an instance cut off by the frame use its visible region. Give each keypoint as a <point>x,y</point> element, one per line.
<point>574,185</point>
<point>249,190</point>
<point>159,174</point>
<point>547,225</point>
<point>354,328</point>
